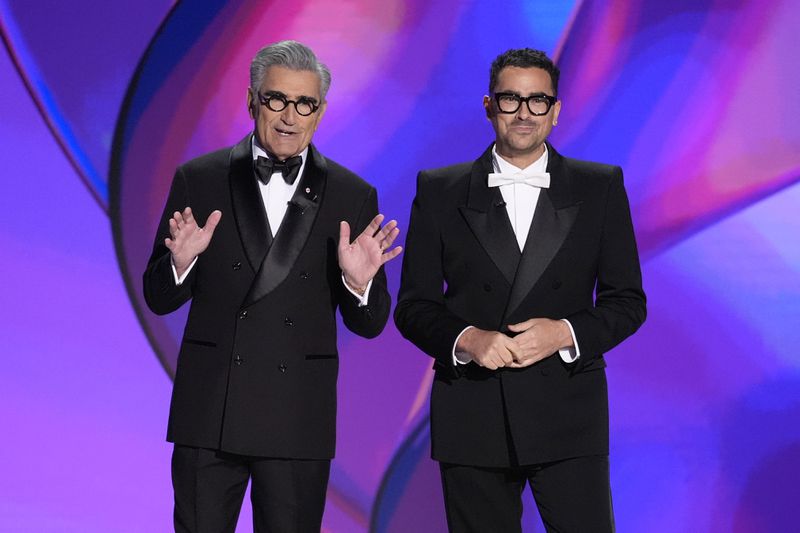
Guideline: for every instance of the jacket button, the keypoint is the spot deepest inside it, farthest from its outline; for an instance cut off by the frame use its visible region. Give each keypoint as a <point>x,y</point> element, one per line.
<point>288,322</point>
<point>487,287</point>
<point>238,360</point>
<point>243,314</point>
<point>282,367</point>
<point>557,284</point>
<point>237,265</point>
<point>304,275</point>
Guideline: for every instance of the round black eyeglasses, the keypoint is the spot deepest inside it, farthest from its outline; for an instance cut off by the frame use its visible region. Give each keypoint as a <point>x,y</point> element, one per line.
<point>278,102</point>
<point>538,104</point>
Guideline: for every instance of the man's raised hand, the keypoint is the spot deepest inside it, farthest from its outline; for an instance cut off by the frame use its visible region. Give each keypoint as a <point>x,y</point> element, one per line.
<point>361,259</point>
<point>187,239</point>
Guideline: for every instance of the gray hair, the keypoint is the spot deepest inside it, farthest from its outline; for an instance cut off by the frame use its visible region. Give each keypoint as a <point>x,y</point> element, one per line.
<point>292,55</point>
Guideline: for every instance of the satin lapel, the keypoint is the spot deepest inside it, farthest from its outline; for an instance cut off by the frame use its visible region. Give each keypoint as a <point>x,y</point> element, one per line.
<point>294,230</point>
<point>248,207</point>
<point>555,213</point>
<point>486,215</point>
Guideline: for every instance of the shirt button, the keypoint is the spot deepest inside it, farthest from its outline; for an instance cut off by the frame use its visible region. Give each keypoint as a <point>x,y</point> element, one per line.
<point>243,314</point>
<point>288,321</point>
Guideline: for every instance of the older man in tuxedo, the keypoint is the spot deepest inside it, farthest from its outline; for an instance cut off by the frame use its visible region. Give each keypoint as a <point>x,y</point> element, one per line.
<point>254,397</point>
<point>520,272</point>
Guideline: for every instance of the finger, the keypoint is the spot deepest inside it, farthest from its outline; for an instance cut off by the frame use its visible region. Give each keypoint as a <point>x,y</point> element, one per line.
<point>212,221</point>
<point>506,357</point>
<point>386,229</point>
<point>188,216</point>
<point>180,222</point>
<point>524,363</point>
<point>491,365</point>
<point>389,239</point>
<point>388,256</point>
<point>170,244</point>
<point>173,228</point>
<point>522,326</point>
<point>373,227</point>
<point>344,234</point>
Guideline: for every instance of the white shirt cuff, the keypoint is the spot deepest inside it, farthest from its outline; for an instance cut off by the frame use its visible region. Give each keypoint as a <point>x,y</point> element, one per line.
<point>461,358</point>
<point>180,279</point>
<point>362,299</point>
<point>570,355</point>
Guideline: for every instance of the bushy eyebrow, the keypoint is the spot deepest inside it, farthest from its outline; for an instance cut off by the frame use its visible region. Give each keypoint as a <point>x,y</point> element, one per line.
<point>282,95</point>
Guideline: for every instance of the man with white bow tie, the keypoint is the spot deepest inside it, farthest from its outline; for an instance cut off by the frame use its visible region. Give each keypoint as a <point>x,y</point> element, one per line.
<point>520,272</point>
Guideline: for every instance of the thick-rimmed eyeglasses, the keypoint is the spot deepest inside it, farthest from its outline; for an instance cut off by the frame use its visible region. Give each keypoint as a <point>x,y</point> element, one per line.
<point>277,102</point>
<point>538,104</point>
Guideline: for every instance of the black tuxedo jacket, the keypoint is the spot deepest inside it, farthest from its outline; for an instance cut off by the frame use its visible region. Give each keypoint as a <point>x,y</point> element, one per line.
<point>462,266</point>
<point>258,363</point>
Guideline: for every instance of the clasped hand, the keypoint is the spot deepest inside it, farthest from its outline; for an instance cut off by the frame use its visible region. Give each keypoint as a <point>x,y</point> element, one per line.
<point>537,339</point>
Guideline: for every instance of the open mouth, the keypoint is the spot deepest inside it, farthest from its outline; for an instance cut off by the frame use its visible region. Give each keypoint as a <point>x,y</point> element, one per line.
<point>284,133</point>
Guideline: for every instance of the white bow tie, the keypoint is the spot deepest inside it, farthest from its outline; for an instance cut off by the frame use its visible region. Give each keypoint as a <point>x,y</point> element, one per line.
<point>534,179</point>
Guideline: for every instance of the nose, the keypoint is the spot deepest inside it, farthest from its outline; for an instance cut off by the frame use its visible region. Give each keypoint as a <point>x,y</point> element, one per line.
<point>523,113</point>
<point>289,114</point>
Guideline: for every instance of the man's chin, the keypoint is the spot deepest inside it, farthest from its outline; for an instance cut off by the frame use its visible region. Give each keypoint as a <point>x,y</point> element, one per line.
<point>284,150</point>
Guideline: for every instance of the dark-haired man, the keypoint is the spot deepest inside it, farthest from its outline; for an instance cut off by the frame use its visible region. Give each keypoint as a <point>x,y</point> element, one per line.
<point>537,257</point>
<point>254,397</point>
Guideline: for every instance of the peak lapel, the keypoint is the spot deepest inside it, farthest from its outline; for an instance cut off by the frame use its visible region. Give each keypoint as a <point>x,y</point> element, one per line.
<point>294,230</point>
<point>486,215</point>
<point>555,213</point>
<point>248,207</point>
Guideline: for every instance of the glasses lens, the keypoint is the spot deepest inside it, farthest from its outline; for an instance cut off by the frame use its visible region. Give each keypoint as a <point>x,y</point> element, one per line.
<point>275,102</point>
<point>508,103</point>
<point>304,107</point>
<point>538,105</point>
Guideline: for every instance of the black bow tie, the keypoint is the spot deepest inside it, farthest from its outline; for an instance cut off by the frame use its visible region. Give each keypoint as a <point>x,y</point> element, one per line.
<point>289,169</point>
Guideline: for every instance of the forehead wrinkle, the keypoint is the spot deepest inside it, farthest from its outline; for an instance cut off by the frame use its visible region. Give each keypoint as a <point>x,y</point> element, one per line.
<point>293,84</point>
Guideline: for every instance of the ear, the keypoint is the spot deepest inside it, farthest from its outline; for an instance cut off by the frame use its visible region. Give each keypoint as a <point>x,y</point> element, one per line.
<point>251,109</point>
<point>556,111</point>
<point>320,112</point>
<point>487,105</point>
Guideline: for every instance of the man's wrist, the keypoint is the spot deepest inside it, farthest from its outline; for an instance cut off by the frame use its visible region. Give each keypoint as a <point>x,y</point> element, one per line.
<point>565,335</point>
<point>359,289</point>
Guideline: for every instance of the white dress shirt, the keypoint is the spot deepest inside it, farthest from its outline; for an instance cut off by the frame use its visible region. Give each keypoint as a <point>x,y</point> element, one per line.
<point>521,200</point>
<point>276,196</point>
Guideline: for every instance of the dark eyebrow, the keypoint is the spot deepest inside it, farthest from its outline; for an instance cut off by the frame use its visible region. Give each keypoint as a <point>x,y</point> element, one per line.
<point>514,93</point>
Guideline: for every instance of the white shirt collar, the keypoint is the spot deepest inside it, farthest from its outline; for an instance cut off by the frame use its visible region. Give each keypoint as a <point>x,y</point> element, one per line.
<point>503,166</point>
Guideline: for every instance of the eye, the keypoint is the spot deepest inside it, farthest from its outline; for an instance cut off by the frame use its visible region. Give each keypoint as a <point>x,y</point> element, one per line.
<point>276,97</point>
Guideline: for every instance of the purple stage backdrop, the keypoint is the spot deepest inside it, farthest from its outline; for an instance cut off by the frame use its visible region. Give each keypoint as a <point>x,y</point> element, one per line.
<point>696,99</point>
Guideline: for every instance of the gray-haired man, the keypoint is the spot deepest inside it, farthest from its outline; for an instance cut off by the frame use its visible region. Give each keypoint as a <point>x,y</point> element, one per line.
<point>255,388</point>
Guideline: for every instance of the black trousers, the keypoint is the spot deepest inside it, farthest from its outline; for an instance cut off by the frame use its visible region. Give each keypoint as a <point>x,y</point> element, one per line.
<point>288,495</point>
<point>573,495</point>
